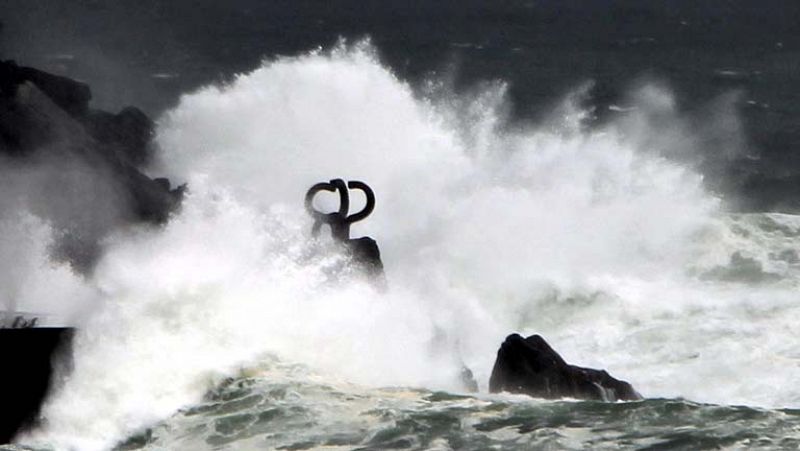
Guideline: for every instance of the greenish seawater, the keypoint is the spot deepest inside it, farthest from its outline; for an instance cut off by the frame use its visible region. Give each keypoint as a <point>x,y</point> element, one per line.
<point>291,410</point>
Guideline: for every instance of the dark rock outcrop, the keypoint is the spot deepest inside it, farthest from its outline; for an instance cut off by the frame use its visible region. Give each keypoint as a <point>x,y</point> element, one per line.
<point>70,95</point>
<point>366,254</point>
<point>31,357</point>
<point>81,170</point>
<point>467,379</point>
<point>530,366</point>
<point>46,125</point>
<point>127,134</point>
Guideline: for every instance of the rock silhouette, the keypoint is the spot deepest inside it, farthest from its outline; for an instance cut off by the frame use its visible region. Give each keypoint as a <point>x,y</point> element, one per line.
<point>530,366</point>
<point>80,169</point>
<point>92,159</point>
<point>26,379</point>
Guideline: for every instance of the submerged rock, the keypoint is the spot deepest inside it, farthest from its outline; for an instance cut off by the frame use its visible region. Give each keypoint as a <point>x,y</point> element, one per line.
<point>530,366</point>
<point>468,382</point>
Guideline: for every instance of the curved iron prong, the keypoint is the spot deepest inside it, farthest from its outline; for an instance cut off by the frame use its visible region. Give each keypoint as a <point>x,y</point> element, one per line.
<point>321,186</point>
<point>344,196</point>
<point>339,220</point>
<point>354,184</point>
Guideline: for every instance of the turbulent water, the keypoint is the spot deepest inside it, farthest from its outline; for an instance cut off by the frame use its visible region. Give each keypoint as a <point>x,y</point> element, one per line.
<point>226,329</point>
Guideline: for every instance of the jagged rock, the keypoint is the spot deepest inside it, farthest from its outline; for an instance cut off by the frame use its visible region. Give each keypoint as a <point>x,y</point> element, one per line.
<point>70,95</point>
<point>45,119</point>
<point>30,120</point>
<point>127,133</point>
<point>530,366</point>
<point>79,170</point>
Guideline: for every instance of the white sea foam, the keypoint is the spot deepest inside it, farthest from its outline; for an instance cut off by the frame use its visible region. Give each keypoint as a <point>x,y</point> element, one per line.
<point>33,286</point>
<point>485,229</point>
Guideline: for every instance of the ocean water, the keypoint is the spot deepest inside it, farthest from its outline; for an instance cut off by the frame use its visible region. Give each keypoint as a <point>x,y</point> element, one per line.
<point>229,328</point>
<point>148,53</point>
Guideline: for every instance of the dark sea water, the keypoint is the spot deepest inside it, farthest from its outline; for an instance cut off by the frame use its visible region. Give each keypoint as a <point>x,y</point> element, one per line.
<point>146,53</point>
<point>622,177</point>
<point>249,414</point>
<point>252,413</point>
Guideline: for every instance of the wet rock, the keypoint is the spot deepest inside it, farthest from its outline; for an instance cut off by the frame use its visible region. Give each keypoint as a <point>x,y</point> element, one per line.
<point>128,134</point>
<point>366,255</point>
<point>33,355</point>
<point>30,120</point>
<point>84,164</point>
<point>530,366</point>
<point>70,95</point>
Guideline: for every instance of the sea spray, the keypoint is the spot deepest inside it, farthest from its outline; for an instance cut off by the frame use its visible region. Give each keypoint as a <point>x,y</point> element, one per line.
<point>484,228</point>
<point>34,285</point>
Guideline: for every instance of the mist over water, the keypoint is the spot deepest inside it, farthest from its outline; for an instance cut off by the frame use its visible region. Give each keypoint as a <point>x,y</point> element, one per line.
<point>614,252</point>
<point>42,200</point>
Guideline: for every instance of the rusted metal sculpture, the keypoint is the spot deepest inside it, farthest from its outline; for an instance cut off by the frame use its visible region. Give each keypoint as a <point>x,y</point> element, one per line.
<point>339,221</point>
<point>364,250</point>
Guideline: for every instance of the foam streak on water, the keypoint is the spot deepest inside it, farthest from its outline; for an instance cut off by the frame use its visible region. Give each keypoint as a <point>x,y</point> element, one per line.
<point>615,253</point>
